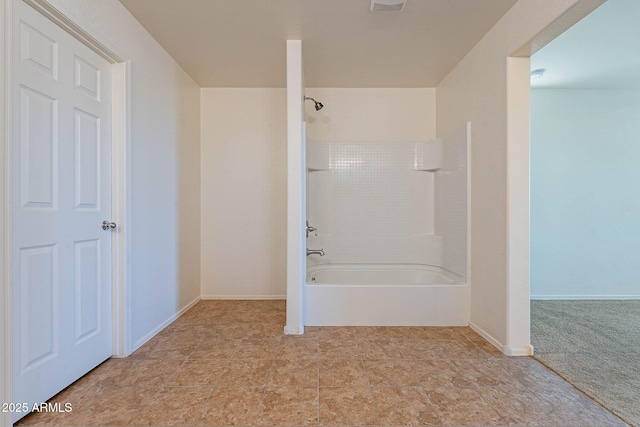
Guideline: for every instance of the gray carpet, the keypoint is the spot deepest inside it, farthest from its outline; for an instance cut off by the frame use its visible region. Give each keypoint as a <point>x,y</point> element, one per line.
<point>595,345</point>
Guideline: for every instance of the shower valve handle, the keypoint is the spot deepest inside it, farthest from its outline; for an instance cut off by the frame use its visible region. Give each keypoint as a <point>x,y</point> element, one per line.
<point>311,229</point>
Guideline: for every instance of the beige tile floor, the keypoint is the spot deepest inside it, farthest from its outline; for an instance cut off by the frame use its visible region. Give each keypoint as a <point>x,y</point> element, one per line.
<point>227,363</point>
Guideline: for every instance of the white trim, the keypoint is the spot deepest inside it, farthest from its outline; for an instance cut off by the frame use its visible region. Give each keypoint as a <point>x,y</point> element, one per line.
<point>585,297</point>
<point>62,21</point>
<point>518,352</point>
<point>163,325</point>
<point>5,232</point>
<point>518,327</point>
<point>487,336</point>
<point>516,255</point>
<point>469,278</point>
<point>526,350</point>
<point>293,331</point>
<point>243,297</point>
<point>120,148</point>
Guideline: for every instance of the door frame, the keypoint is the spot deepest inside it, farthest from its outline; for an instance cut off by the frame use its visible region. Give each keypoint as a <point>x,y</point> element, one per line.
<point>120,149</point>
<point>518,339</point>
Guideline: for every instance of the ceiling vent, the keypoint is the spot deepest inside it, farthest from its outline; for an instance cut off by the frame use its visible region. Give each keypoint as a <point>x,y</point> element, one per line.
<point>387,5</point>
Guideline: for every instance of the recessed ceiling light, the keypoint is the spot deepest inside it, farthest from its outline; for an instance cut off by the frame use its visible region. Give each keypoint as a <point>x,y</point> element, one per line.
<point>536,74</point>
<point>387,5</point>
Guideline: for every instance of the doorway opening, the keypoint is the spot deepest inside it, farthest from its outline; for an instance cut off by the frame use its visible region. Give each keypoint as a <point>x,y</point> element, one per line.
<point>584,237</point>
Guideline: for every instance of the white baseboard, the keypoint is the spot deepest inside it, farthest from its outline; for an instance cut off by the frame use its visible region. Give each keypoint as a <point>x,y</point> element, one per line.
<point>163,325</point>
<point>584,297</point>
<point>505,349</point>
<point>516,352</point>
<point>244,297</point>
<point>487,336</point>
<point>291,330</point>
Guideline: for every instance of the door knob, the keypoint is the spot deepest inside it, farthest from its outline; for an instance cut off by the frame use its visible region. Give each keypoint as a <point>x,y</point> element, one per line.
<point>106,225</point>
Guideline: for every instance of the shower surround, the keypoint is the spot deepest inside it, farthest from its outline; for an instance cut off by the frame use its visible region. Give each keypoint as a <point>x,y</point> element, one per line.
<point>392,220</point>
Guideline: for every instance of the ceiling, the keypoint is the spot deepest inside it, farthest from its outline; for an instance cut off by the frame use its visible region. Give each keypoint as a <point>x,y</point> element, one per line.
<point>241,43</point>
<point>602,51</point>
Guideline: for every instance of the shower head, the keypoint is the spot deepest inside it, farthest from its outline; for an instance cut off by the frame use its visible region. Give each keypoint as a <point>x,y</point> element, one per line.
<point>318,105</point>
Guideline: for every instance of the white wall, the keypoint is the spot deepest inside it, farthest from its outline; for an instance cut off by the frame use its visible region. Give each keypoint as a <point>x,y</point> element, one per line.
<point>244,190</point>
<point>372,115</point>
<point>244,168</point>
<point>188,191</point>
<point>164,199</point>
<point>475,91</point>
<point>585,152</point>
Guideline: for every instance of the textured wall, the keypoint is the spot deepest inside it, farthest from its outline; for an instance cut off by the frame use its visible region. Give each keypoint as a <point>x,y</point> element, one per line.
<point>585,153</point>
<point>244,193</point>
<point>475,91</point>
<point>371,115</point>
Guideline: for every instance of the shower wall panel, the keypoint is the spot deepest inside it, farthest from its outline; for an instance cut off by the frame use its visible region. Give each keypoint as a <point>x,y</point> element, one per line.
<point>370,204</point>
<point>390,202</point>
<point>451,201</point>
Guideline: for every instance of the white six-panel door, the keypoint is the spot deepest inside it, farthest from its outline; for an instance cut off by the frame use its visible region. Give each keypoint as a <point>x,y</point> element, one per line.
<point>61,193</point>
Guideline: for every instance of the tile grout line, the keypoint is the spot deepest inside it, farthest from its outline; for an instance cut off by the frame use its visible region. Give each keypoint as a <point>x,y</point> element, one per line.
<point>264,390</point>
<point>488,404</point>
<point>204,402</point>
<point>435,408</point>
<point>202,405</point>
<point>373,397</point>
<point>267,382</point>
<point>318,383</point>
<point>421,387</point>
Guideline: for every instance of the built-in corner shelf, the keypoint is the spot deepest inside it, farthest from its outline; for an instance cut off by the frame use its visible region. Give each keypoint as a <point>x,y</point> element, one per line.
<point>318,154</point>
<point>428,155</point>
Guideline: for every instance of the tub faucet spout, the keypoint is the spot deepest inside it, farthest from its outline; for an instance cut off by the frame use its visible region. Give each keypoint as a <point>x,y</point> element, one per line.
<point>315,252</point>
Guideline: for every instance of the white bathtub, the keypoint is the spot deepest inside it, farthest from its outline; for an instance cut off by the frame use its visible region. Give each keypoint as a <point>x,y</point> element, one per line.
<point>387,295</point>
<point>387,275</point>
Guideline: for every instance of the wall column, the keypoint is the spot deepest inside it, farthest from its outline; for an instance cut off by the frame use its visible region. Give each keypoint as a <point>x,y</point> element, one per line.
<point>296,203</point>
